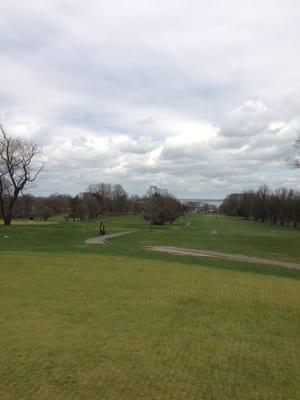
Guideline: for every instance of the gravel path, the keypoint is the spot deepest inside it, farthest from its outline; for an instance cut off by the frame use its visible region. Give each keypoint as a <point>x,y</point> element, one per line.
<point>102,239</point>
<point>216,254</point>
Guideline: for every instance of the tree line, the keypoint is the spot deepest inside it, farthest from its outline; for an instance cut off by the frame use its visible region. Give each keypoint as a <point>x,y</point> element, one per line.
<point>281,206</point>
<point>98,200</point>
<point>87,205</point>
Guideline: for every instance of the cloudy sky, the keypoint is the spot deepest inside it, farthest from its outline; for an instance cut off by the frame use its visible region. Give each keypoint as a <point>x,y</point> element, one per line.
<point>201,97</point>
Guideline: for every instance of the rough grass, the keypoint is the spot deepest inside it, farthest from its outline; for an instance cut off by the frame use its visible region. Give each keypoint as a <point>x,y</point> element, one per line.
<point>117,322</point>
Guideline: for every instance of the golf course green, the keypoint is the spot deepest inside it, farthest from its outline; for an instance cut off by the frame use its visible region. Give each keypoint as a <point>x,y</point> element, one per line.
<point>117,321</point>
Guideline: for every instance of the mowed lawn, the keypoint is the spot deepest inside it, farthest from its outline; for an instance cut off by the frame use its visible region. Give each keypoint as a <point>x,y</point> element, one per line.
<point>119,322</point>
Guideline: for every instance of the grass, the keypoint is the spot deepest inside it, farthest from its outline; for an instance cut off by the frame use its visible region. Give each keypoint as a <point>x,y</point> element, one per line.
<point>119,322</point>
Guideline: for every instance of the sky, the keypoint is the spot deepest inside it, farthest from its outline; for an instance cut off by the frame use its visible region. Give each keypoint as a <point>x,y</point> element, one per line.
<point>200,97</point>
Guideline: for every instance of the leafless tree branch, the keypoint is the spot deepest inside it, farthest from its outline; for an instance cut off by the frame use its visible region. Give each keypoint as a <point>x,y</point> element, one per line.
<point>16,170</point>
<point>294,161</point>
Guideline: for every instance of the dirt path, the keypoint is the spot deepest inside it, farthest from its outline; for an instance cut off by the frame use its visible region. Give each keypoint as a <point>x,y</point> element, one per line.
<point>216,254</point>
<point>102,239</point>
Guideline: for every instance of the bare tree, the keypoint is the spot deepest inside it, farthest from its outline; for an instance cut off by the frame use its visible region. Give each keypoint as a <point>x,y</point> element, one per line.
<point>280,206</point>
<point>16,171</point>
<point>295,161</point>
<point>158,209</point>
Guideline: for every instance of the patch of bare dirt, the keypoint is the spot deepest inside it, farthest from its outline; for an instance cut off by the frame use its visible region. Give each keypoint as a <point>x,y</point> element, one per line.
<point>181,251</point>
<point>102,239</point>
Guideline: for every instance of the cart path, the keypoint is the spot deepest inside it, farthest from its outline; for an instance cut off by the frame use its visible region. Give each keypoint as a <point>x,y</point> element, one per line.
<point>102,239</point>
<point>181,251</point>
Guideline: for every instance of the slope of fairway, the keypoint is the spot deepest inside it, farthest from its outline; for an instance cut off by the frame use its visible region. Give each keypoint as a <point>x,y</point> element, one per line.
<point>115,322</point>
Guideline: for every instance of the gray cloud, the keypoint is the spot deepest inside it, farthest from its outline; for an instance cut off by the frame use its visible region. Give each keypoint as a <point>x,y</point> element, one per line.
<point>248,119</point>
<point>184,94</point>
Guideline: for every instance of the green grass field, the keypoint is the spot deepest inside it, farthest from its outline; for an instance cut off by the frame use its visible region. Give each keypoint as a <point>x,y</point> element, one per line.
<point>119,322</point>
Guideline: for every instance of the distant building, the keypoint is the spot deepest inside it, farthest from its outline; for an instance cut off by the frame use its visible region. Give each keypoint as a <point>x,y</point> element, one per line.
<point>200,206</point>
<point>156,190</point>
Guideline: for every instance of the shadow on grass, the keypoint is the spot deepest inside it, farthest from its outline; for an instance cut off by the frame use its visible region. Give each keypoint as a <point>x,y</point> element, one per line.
<point>230,265</point>
<point>185,261</point>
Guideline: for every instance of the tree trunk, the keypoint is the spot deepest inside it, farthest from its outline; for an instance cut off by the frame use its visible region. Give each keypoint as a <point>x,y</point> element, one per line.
<point>7,216</point>
<point>7,220</point>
